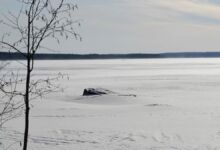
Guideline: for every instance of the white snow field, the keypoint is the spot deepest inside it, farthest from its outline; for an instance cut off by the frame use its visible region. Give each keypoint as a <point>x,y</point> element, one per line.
<point>176,107</point>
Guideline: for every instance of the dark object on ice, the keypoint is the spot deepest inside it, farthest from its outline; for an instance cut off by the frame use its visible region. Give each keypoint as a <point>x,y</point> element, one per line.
<point>93,91</point>
<point>132,95</point>
<point>157,105</point>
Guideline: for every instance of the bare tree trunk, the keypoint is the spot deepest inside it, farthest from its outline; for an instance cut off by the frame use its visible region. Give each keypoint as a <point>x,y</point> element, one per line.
<point>27,107</point>
<point>44,20</point>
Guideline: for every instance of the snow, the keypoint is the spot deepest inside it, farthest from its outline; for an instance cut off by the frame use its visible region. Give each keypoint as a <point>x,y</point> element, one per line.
<point>176,106</point>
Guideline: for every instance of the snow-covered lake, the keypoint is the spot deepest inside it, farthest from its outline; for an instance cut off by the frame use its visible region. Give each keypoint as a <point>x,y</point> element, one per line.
<point>176,107</point>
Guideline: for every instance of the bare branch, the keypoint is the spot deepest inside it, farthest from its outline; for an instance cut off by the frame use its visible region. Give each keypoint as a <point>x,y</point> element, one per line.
<point>13,47</point>
<point>37,21</point>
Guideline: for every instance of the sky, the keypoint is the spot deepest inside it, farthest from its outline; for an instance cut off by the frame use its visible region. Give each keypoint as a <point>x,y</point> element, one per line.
<point>141,26</point>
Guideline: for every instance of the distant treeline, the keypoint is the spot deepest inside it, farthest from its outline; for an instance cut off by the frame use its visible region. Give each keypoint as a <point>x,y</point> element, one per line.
<point>18,56</point>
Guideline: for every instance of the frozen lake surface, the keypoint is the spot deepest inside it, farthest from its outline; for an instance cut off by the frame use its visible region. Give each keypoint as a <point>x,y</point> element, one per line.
<point>176,107</point>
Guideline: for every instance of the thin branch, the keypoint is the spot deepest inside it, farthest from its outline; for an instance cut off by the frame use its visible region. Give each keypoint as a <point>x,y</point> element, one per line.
<point>13,47</point>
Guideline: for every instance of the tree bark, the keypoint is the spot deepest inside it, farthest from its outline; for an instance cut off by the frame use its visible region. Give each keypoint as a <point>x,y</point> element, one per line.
<point>27,107</point>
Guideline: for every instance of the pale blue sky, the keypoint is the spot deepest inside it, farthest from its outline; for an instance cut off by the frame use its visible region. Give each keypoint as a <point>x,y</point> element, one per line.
<point>147,26</point>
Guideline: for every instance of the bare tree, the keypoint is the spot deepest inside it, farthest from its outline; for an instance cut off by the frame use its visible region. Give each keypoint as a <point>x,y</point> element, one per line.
<point>9,99</point>
<point>37,21</point>
<point>8,106</point>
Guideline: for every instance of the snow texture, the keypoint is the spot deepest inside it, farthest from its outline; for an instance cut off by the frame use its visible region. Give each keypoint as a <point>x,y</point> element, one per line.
<point>161,104</point>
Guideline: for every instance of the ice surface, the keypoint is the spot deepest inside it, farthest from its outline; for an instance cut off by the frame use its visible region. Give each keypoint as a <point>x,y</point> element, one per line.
<point>176,107</point>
